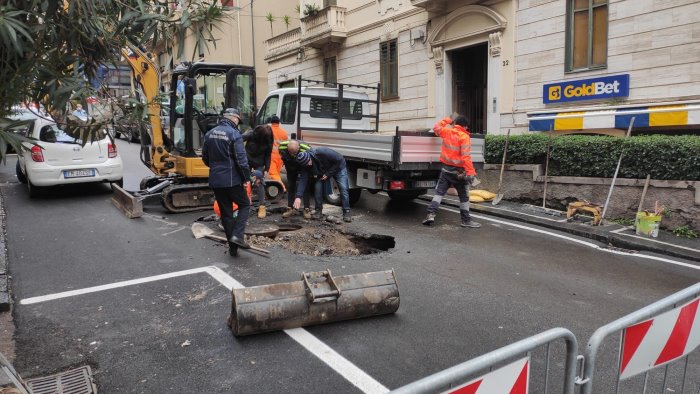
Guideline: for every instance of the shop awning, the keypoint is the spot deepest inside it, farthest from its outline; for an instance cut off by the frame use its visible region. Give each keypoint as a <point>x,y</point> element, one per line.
<point>616,118</point>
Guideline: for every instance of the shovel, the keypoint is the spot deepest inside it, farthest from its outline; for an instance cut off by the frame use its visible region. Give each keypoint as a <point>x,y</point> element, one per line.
<point>499,193</point>
<point>200,230</point>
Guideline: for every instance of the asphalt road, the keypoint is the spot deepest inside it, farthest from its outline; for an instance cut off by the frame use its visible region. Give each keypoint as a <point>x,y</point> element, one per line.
<point>464,292</point>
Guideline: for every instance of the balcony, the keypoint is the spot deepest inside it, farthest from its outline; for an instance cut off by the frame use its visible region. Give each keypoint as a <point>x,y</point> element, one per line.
<point>327,26</point>
<point>282,45</point>
<point>431,5</point>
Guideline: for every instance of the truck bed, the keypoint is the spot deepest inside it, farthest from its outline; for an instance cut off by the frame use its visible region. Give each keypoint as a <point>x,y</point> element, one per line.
<point>399,150</point>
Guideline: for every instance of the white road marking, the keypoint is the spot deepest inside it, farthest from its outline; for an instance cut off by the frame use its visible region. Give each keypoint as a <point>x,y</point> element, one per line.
<point>572,239</point>
<point>71,293</point>
<point>174,231</point>
<point>315,346</point>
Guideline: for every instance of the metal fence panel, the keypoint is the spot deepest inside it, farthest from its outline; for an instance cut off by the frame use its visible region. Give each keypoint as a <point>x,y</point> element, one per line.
<point>453,378</point>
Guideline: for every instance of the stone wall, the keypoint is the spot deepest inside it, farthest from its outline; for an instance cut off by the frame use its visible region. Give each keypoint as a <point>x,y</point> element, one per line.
<point>525,183</point>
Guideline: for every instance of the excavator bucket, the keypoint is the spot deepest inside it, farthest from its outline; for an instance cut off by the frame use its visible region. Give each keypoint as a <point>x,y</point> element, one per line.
<point>130,205</point>
<point>315,299</point>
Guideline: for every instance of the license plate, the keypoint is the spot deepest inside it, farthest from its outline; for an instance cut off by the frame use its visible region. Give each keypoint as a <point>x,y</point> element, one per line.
<point>79,173</point>
<point>425,183</point>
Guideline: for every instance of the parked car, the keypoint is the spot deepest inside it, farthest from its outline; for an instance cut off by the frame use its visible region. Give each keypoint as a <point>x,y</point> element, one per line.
<point>59,159</point>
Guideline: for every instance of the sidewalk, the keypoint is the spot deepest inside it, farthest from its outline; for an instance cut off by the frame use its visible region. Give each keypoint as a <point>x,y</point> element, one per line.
<point>612,234</point>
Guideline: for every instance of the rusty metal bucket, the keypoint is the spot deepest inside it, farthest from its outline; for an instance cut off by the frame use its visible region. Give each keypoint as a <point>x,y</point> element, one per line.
<point>317,298</point>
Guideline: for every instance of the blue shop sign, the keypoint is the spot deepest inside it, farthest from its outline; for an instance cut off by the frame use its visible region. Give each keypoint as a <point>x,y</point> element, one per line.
<point>587,89</point>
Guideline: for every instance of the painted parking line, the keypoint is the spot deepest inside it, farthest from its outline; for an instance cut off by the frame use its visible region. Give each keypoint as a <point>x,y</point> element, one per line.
<point>315,346</point>
<point>571,239</point>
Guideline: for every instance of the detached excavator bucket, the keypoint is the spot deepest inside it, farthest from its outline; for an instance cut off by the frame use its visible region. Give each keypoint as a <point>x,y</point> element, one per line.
<point>315,299</point>
<point>126,202</point>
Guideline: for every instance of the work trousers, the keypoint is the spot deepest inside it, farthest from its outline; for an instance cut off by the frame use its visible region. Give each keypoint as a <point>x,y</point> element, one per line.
<point>226,196</point>
<point>446,180</point>
<point>275,167</point>
<point>260,187</point>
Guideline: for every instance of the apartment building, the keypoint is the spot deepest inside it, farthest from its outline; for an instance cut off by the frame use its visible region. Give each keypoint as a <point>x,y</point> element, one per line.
<point>527,65</point>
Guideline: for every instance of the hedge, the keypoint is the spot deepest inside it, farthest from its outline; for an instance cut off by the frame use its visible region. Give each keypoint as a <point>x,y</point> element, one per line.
<point>661,156</point>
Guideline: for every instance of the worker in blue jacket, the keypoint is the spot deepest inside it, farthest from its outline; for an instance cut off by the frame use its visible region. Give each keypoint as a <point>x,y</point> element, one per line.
<point>224,153</point>
<point>323,164</point>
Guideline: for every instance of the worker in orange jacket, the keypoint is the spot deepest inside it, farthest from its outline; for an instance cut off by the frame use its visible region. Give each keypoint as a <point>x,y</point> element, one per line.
<point>278,135</point>
<point>457,168</point>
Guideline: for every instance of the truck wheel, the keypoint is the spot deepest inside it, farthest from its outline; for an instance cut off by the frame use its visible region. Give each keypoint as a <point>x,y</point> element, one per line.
<point>332,194</point>
<point>405,195</point>
<point>20,175</point>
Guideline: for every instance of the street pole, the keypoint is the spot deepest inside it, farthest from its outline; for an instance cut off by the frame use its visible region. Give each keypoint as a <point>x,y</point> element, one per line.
<point>252,28</point>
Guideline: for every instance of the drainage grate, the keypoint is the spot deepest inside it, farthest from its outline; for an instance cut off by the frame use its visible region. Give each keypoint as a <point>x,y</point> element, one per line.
<point>76,381</point>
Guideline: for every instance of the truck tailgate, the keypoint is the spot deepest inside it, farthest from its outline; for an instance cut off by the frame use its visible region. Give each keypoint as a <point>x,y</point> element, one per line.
<point>422,149</point>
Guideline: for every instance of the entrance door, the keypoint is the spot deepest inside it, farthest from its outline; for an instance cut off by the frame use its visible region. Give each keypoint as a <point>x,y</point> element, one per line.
<point>469,84</point>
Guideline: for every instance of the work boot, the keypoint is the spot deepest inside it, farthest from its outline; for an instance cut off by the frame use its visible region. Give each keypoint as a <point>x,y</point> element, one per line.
<point>289,213</point>
<point>307,213</point>
<point>240,242</point>
<point>318,215</point>
<point>470,224</point>
<point>232,249</point>
<point>262,212</point>
<point>346,217</point>
<point>429,219</point>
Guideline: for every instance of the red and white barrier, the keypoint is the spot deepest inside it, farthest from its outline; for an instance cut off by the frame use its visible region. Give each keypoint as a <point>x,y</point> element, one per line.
<point>513,378</point>
<point>660,340</point>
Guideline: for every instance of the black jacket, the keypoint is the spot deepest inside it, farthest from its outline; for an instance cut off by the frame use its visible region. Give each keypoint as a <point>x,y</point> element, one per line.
<point>224,154</point>
<point>259,150</point>
<point>324,161</point>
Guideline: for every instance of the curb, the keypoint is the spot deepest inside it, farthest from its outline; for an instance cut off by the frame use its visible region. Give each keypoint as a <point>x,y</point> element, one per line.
<point>600,234</point>
<point>5,298</point>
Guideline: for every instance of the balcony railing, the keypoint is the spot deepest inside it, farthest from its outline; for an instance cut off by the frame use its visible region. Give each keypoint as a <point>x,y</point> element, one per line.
<point>328,25</point>
<point>283,44</point>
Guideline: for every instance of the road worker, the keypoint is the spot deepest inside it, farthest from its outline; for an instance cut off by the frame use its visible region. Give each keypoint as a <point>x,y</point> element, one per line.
<point>279,135</point>
<point>288,151</point>
<point>323,164</point>
<point>457,167</point>
<point>258,147</point>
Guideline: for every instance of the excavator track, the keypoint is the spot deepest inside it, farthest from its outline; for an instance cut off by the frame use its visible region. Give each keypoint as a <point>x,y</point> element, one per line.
<point>187,197</point>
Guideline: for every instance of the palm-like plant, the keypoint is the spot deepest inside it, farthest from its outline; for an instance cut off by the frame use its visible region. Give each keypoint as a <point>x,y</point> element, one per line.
<point>287,20</point>
<point>270,18</point>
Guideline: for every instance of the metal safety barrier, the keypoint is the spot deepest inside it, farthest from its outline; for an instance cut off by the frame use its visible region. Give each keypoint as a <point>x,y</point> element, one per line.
<point>662,334</point>
<point>495,381</point>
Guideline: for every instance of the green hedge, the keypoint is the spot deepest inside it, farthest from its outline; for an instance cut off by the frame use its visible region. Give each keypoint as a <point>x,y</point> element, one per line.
<point>662,156</point>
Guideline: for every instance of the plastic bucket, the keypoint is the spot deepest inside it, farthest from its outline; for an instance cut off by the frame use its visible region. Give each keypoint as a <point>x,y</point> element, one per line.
<point>647,225</point>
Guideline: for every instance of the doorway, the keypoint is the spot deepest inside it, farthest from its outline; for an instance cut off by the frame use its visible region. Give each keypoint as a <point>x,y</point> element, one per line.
<point>469,84</point>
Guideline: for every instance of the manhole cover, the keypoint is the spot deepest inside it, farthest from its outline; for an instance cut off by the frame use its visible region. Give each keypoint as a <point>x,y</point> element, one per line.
<point>262,230</point>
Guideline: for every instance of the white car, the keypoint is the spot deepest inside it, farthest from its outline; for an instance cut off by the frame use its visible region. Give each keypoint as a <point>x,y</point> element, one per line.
<point>59,159</point>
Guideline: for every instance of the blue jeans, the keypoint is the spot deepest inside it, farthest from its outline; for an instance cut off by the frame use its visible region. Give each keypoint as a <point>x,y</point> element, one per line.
<point>341,179</point>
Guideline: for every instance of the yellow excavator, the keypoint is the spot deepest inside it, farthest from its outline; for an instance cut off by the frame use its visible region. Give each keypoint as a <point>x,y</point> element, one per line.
<point>198,92</point>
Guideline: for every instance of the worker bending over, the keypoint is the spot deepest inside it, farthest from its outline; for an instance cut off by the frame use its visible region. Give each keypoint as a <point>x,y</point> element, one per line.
<point>288,151</point>
<point>457,168</point>
<point>323,164</point>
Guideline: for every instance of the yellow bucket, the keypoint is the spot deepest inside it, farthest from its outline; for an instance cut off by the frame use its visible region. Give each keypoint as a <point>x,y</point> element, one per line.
<point>647,224</point>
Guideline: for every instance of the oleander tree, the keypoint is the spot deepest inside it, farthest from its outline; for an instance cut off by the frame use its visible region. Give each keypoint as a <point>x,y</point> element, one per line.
<point>50,50</point>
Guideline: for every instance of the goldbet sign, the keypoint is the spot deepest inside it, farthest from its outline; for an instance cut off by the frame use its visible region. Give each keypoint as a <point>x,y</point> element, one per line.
<point>587,89</point>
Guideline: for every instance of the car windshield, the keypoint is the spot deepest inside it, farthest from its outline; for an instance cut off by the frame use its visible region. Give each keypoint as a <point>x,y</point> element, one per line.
<point>51,133</point>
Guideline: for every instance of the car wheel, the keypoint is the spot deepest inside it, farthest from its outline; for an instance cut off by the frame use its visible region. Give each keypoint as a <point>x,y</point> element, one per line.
<point>34,191</point>
<point>20,175</point>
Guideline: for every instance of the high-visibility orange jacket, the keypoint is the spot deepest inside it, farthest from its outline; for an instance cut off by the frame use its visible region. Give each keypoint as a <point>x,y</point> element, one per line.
<point>278,135</point>
<point>456,145</point>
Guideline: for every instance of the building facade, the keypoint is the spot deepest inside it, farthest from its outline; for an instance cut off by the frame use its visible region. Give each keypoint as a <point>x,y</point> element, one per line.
<point>527,65</point>
<point>240,39</point>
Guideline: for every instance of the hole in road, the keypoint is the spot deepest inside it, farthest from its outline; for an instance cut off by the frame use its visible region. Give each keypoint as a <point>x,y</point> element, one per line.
<point>321,239</point>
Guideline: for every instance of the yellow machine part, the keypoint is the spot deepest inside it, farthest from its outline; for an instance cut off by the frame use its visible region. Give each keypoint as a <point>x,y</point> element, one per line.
<point>191,167</point>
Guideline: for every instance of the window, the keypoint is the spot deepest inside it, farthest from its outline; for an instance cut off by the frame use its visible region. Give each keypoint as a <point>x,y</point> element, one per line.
<point>327,3</point>
<point>328,108</point>
<point>268,109</point>
<point>389,69</point>
<point>289,109</point>
<point>330,71</point>
<point>587,34</point>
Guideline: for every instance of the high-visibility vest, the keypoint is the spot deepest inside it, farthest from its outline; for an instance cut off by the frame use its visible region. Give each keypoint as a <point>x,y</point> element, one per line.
<point>279,135</point>
<point>456,146</point>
